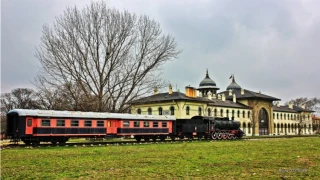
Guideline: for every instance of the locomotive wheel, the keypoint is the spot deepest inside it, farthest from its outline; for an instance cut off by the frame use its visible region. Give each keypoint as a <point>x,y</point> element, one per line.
<point>219,136</point>
<point>27,142</point>
<point>229,136</point>
<point>181,137</point>
<point>214,136</point>
<point>173,138</point>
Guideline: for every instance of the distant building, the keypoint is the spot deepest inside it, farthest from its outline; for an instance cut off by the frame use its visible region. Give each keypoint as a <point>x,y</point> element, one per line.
<point>256,111</point>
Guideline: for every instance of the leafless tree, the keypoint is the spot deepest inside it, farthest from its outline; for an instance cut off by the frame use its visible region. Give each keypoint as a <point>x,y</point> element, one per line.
<point>20,98</point>
<point>112,57</point>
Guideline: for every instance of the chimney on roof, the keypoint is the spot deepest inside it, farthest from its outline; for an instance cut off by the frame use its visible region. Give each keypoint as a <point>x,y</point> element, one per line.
<point>303,106</point>
<point>278,104</point>
<point>242,91</point>
<point>191,91</point>
<point>223,97</point>
<point>219,96</point>
<point>230,92</point>
<point>170,89</point>
<point>234,98</point>
<point>290,105</point>
<point>214,96</point>
<point>155,90</point>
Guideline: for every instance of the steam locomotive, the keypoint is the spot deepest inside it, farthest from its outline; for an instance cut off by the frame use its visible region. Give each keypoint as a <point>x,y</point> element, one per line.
<point>35,126</point>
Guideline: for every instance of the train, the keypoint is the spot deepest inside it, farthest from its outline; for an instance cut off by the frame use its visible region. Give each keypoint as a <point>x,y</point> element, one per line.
<point>57,127</point>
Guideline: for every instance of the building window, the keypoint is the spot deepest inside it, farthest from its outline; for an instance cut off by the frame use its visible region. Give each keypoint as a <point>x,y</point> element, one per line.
<point>288,116</point>
<point>249,128</point>
<point>221,112</point>
<point>291,117</point>
<point>139,111</point>
<point>146,124</point>
<point>238,114</point>
<point>277,116</point>
<point>164,124</point>
<point>60,122</point>
<point>172,110</point>
<point>74,122</point>
<point>100,123</point>
<point>136,124</point>
<point>209,112</point>
<point>215,112</point>
<point>273,115</point>
<point>29,123</point>
<point>88,123</point>
<point>160,110</point>
<point>149,111</point>
<point>284,116</point>
<point>227,112</point>
<point>243,114</point>
<point>126,124</point>
<point>155,124</point>
<point>200,111</point>
<point>187,110</point>
<point>249,114</point>
<point>232,113</point>
<point>281,116</point>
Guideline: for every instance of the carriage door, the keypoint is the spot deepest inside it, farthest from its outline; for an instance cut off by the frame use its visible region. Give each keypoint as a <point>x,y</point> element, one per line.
<point>263,122</point>
<point>29,125</point>
<point>111,127</point>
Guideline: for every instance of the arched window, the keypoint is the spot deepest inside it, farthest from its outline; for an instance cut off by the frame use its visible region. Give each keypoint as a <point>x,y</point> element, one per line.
<point>221,112</point>
<point>238,114</point>
<point>244,127</point>
<point>308,117</point>
<point>284,116</point>
<point>209,112</point>
<point>277,116</point>
<point>249,128</point>
<point>187,110</point>
<point>289,128</point>
<point>227,112</point>
<point>232,113</point>
<point>200,111</point>
<point>291,117</point>
<point>243,114</point>
<point>149,111</point>
<point>139,111</point>
<point>295,117</point>
<point>248,114</point>
<point>160,110</point>
<point>172,110</point>
<point>215,112</point>
<point>273,115</point>
<point>281,116</point>
<point>288,116</point>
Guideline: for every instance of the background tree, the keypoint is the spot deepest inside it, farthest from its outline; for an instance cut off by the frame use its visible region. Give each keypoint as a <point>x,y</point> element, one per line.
<point>20,98</point>
<point>111,57</point>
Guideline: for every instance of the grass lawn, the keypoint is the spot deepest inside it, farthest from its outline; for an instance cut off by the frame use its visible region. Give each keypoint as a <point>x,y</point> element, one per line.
<point>293,158</point>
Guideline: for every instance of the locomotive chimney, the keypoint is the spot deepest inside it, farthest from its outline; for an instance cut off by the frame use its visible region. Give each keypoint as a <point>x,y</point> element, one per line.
<point>234,98</point>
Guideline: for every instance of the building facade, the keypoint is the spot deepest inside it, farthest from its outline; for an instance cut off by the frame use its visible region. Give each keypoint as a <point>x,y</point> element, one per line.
<point>259,114</point>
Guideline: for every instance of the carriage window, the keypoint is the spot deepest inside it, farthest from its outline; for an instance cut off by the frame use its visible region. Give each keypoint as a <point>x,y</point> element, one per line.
<point>146,124</point>
<point>164,124</point>
<point>29,123</point>
<point>155,124</point>
<point>88,123</point>
<point>100,123</point>
<point>126,124</point>
<point>60,122</point>
<point>136,124</point>
<point>74,122</point>
<point>45,122</point>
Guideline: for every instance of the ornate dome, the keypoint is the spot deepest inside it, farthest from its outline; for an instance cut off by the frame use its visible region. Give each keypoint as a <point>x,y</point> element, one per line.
<point>207,82</point>
<point>233,85</point>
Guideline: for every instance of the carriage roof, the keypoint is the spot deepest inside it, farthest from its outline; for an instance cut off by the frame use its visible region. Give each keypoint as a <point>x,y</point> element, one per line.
<point>80,114</point>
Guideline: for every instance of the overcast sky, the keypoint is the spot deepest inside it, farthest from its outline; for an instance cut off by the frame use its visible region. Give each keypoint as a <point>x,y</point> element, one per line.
<point>272,46</point>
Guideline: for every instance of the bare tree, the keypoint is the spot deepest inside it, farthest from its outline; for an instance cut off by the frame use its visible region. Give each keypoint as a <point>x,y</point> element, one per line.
<point>112,57</point>
<point>21,98</point>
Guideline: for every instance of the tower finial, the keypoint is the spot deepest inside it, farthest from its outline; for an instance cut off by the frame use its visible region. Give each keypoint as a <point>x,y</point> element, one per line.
<point>233,78</point>
<point>207,74</point>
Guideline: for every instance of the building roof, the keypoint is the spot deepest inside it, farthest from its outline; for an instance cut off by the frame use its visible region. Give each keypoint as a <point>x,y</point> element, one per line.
<point>178,96</point>
<point>248,95</point>
<point>294,109</point>
<point>207,83</point>
<point>233,85</point>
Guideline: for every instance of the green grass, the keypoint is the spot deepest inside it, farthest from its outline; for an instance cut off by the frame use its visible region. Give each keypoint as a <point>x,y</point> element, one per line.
<point>293,158</point>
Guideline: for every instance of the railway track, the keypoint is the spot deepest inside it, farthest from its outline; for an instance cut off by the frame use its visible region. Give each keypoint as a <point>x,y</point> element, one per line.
<point>132,142</point>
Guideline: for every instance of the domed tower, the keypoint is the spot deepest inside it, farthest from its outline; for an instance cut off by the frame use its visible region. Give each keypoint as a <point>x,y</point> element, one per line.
<point>207,85</point>
<point>233,85</point>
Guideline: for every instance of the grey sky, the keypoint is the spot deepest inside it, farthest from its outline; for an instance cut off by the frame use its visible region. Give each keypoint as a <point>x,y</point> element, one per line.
<point>271,46</point>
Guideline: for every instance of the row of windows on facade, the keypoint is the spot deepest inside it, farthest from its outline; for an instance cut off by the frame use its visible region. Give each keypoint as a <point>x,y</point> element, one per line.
<point>88,123</point>
<point>279,127</point>
<point>209,112</point>
<point>289,117</point>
